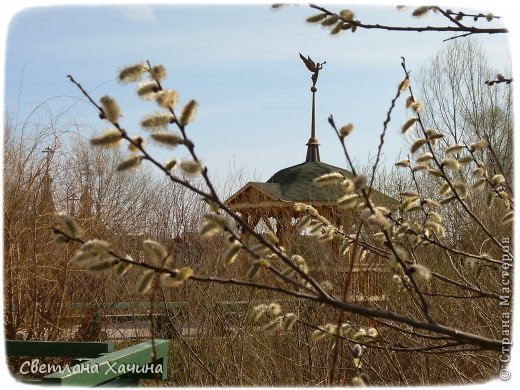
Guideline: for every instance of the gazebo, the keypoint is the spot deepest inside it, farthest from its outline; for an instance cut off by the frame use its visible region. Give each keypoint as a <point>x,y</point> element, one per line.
<point>272,202</point>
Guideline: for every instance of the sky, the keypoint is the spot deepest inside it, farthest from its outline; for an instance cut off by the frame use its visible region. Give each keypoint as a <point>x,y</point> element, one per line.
<point>240,62</point>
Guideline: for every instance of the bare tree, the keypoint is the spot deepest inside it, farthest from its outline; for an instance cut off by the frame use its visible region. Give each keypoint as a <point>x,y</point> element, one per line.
<point>460,103</point>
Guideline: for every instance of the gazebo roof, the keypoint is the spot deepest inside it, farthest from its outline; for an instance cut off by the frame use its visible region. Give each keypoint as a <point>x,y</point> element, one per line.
<point>296,184</point>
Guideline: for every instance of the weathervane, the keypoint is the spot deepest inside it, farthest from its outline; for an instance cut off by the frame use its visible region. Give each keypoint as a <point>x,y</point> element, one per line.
<point>313,152</point>
<point>314,68</point>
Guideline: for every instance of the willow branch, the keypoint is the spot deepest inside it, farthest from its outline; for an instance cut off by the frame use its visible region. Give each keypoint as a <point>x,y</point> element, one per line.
<point>212,195</point>
<point>390,245</point>
<point>448,181</point>
<point>468,29</point>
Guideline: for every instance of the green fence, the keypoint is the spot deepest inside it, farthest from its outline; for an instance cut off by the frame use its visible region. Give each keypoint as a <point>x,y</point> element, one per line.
<point>93,364</point>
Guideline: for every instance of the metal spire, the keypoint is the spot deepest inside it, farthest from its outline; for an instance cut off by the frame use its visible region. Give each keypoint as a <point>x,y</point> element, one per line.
<point>313,151</point>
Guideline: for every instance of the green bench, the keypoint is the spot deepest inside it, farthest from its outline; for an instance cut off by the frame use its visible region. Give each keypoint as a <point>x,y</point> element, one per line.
<point>93,364</point>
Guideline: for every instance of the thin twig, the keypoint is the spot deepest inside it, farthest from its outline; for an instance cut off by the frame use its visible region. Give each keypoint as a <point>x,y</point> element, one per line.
<point>474,30</point>
<point>350,307</point>
<point>442,169</point>
<point>383,133</point>
<point>369,205</point>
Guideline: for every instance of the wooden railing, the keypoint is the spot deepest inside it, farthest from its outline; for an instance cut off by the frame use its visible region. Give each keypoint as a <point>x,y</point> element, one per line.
<point>93,364</point>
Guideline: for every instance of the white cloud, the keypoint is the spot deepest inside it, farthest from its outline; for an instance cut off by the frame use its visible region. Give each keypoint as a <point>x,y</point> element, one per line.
<point>138,13</point>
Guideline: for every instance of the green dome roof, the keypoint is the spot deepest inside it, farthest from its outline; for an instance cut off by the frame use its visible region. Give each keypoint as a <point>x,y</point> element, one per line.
<point>296,184</point>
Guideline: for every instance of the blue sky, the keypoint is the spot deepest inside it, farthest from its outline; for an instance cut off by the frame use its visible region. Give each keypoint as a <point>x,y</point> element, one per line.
<point>239,62</point>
